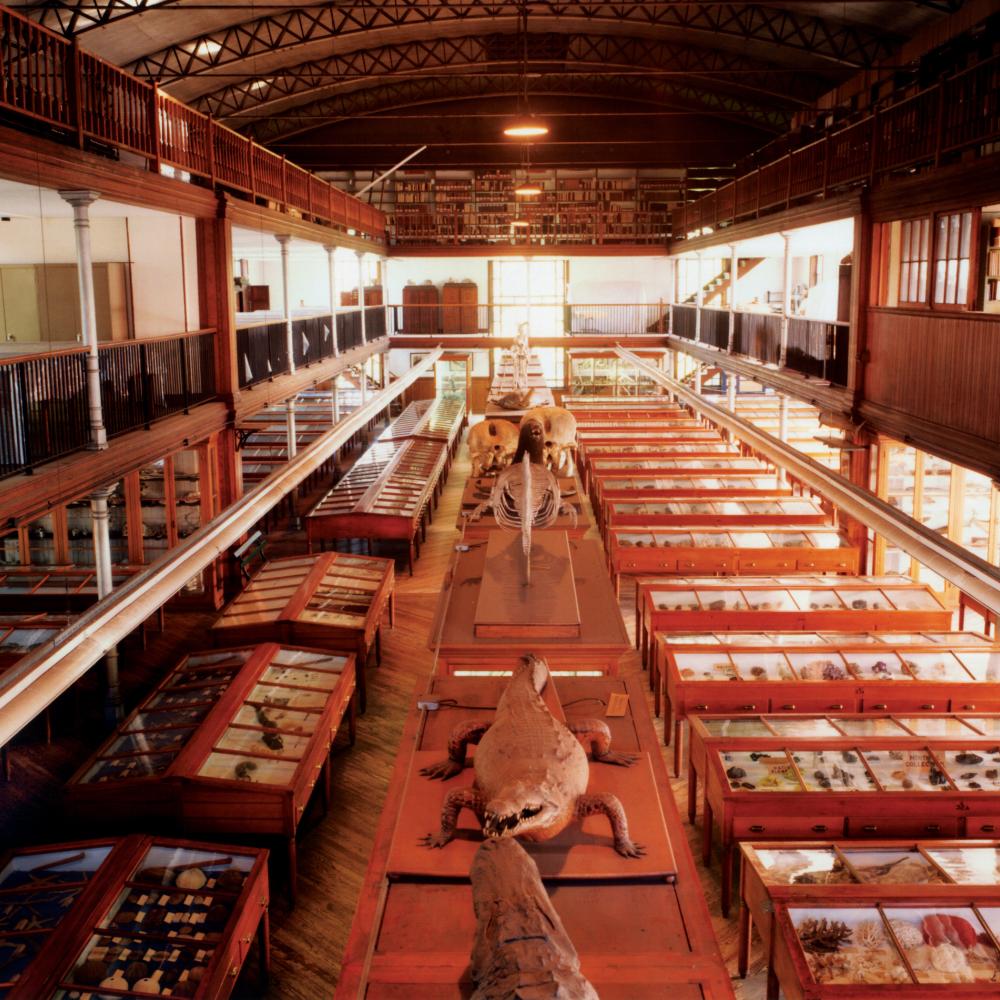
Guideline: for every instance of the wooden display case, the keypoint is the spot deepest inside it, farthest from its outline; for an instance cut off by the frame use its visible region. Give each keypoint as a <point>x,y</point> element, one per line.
<point>706,549</point>
<point>652,446</point>
<point>599,647</point>
<point>787,876</point>
<point>387,501</point>
<point>440,419</point>
<point>232,742</point>
<point>782,603</point>
<point>54,588</point>
<point>132,916</point>
<point>332,601</point>
<point>614,409</point>
<point>603,373</point>
<point>856,789</point>
<point>789,721</point>
<point>477,491</point>
<point>414,926</point>
<point>717,513</point>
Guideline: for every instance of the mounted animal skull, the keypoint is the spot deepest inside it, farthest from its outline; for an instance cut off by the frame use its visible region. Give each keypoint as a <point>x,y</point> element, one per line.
<point>557,429</point>
<point>492,444</point>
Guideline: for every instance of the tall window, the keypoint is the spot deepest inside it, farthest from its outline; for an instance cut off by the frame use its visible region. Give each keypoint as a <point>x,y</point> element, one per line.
<point>952,255</point>
<point>914,256</point>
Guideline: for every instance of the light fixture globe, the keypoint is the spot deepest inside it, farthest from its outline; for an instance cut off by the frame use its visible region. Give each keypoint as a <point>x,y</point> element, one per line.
<point>527,190</point>
<point>525,130</point>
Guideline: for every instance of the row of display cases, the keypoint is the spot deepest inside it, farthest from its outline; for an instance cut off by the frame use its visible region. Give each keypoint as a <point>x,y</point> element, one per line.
<point>440,419</point>
<point>414,926</point>
<point>855,788</point>
<point>332,601</point>
<point>732,552</point>
<point>388,498</point>
<point>232,742</point>
<point>888,913</point>
<point>781,603</point>
<point>128,917</point>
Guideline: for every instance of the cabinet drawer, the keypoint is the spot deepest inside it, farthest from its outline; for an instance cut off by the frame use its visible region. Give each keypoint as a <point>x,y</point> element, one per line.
<point>766,563</point>
<point>814,703</point>
<point>971,703</point>
<point>743,703</point>
<point>907,826</point>
<point>804,827</point>
<point>904,703</point>
<point>982,826</point>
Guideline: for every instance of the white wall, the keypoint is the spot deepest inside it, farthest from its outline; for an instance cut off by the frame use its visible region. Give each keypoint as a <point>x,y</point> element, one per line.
<point>439,270</point>
<point>164,300</point>
<point>51,241</point>
<point>599,280</point>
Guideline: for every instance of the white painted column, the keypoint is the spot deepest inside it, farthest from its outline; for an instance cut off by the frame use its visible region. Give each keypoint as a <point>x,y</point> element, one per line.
<point>286,303</point>
<point>734,264</point>
<point>699,301</point>
<point>731,391</point>
<point>783,418</point>
<point>384,282</point>
<point>100,532</point>
<point>697,378</point>
<point>81,202</point>
<point>290,431</point>
<point>332,278</point>
<point>786,299</point>
<point>364,382</point>
<point>335,400</point>
<point>361,295</point>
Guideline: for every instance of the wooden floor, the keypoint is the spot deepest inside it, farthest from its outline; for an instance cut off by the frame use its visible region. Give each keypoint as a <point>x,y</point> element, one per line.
<point>308,941</point>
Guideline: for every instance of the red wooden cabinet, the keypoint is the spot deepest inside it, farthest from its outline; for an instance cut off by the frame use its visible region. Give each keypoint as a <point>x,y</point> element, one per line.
<point>233,741</point>
<point>460,307</point>
<point>129,915</point>
<point>421,309</point>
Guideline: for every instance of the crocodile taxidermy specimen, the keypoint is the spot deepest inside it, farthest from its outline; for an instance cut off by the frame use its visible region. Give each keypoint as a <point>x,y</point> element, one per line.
<point>521,948</point>
<point>531,769</point>
<point>516,400</point>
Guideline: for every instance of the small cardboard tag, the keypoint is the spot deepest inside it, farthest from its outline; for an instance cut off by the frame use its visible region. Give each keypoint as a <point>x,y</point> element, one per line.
<point>617,705</point>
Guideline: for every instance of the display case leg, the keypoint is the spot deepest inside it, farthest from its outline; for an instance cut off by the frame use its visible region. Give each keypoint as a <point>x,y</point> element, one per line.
<point>5,763</point>
<point>692,793</point>
<point>378,647</point>
<point>728,860</point>
<point>743,940</point>
<point>352,720</point>
<point>293,869</point>
<point>264,950</point>
<point>706,834</point>
<point>678,747</point>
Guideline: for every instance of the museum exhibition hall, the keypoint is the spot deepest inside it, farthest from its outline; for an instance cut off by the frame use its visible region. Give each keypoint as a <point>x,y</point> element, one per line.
<point>499,500</point>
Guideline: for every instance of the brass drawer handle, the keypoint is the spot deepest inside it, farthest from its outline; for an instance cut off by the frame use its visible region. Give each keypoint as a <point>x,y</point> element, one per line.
<point>836,708</point>
<point>748,708</point>
<point>932,828</point>
<point>870,828</point>
<point>968,708</point>
<point>819,828</point>
<point>926,708</point>
<point>701,708</point>
<point>756,828</point>
<point>987,827</point>
<point>234,971</point>
<point>880,707</point>
<point>787,708</point>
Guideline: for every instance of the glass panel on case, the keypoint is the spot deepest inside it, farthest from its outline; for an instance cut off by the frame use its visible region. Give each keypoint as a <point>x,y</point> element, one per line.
<point>168,717</point>
<point>672,540</point>
<point>760,771</point>
<point>705,666</point>
<point>750,540</point>
<point>833,771</point>
<point>869,727</point>
<point>721,600</point>
<point>987,725</point>
<point>675,600</point>
<point>747,726</point>
<point>864,600</point>
<point>937,666</point>
<point>826,540</point>
<point>789,539</point>
<point>905,866</point>
<point>923,725</point>
<point>44,869</point>
<point>907,770</point>
<point>847,945</point>
<point>324,679</point>
<point>973,770</point>
<point>911,599</point>
<point>968,865</point>
<point>634,539</point>
<point>762,667</point>
<point>229,766</point>
<point>790,725</point>
<point>769,600</point>
<point>286,697</point>
<point>139,766</point>
<point>811,866</point>
<point>876,666</point>
<point>984,666</point>
<point>144,742</point>
<point>945,944</point>
<point>828,667</point>
<point>817,600</point>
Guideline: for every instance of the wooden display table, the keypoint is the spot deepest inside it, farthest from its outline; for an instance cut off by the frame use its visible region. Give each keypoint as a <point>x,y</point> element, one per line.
<point>857,789</point>
<point>742,512</point>
<point>54,588</point>
<point>892,875</point>
<point>477,490</point>
<point>656,449</point>
<point>598,648</point>
<point>541,395</point>
<point>788,721</point>
<point>231,742</point>
<point>414,927</point>
<point>782,604</point>
<point>101,910</point>
<point>383,501</point>
<point>332,601</point>
<point>704,549</point>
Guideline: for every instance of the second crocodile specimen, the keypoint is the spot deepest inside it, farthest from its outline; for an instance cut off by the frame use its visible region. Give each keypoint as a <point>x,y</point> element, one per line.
<point>531,770</point>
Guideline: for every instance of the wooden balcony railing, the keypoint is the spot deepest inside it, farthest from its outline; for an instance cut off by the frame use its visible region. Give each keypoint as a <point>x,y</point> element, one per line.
<point>960,113</point>
<point>43,397</point>
<point>52,80</point>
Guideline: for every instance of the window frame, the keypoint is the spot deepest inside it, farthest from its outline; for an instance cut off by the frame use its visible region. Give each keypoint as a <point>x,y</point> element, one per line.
<point>904,262</point>
<point>973,269</point>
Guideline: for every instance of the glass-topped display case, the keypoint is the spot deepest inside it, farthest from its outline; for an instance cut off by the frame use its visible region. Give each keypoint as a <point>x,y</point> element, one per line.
<point>232,741</point>
<point>876,787</point>
<point>715,512</point>
<point>440,419</point>
<point>698,549</point>
<point>62,588</point>
<point>384,499</point>
<point>130,917</point>
<point>332,601</point>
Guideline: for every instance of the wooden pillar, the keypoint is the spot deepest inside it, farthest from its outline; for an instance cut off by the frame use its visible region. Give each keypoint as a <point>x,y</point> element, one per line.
<point>786,299</point>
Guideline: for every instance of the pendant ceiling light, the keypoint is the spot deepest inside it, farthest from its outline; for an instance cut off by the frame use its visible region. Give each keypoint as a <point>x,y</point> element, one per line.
<point>527,189</point>
<point>526,125</point>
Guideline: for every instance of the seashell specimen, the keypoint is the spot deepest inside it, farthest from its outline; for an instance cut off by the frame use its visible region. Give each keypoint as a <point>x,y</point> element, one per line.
<point>943,928</point>
<point>192,878</point>
<point>947,958</point>
<point>869,934</point>
<point>967,757</point>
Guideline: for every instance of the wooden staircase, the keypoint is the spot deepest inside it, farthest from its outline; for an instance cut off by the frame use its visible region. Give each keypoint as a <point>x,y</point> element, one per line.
<point>718,287</point>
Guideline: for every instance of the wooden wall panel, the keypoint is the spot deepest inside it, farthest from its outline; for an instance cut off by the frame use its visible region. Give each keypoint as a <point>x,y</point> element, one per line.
<point>941,367</point>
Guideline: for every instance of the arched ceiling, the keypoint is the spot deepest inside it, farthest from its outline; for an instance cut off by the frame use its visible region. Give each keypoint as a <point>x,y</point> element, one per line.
<point>359,83</point>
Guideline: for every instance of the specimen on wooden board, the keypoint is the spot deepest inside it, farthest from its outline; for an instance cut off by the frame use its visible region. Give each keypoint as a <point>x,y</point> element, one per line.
<point>531,769</point>
<point>492,444</point>
<point>516,400</point>
<point>525,496</point>
<point>521,948</point>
